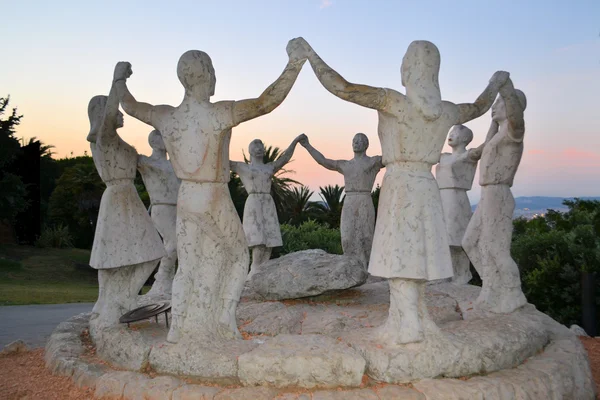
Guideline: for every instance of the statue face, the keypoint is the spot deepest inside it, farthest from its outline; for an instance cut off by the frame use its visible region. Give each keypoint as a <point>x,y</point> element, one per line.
<point>257,149</point>
<point>120,121</point>
<point>195,69</point>
<point>453,137</point>
<point>499,110</point>
<point>360,143</point>
<point>155,141</point>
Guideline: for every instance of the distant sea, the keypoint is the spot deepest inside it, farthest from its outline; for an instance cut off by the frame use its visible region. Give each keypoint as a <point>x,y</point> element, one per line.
<point>529,207</point>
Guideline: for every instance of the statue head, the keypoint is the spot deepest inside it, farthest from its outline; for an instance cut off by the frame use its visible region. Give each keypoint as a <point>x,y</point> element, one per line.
<point>196,73</point>
<point>499,107</point>
<point>96,110</point>
<point>459,135</point>
<point>256,148</point>
<point>155,141</point>
<point>360,143</point>
<point>420,70</point>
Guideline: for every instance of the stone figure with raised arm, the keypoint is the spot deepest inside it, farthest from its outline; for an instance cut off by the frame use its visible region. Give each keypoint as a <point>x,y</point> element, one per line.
<point>211,246</point>
<point>126,245</point>
<point>358,212</point>
<point>488,237</point>
<point>454,175</point>
<point>410,245</point>
<point>162,186</point>
<point>261,225</point>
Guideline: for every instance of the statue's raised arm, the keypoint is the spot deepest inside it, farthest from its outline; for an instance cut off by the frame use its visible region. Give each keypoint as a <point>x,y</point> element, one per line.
<point>274,95</point>
<point>470,111</point>
<point>515,103</point>
<point>333,165</point>
<point>363,95</point>
<point>287,154</point>
<point>137,109</point>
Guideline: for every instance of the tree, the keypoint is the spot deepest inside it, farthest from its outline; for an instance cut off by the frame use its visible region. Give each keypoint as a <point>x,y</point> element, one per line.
<point>75,201</point>
<point>331,207</point>
<point>297,205</point>
<point>13,191</point>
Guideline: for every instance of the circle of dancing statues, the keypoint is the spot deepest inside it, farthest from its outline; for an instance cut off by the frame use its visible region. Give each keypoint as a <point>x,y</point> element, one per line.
<point>424,229</point>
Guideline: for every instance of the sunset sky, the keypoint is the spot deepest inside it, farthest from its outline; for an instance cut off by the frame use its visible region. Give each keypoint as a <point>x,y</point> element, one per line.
<point>57,55</point>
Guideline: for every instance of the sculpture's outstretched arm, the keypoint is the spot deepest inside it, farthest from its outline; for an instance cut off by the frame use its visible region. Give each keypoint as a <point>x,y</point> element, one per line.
<point>334,165</point>
<point>475,154</point>
<point>514,111</point>
<point>235,166</point>
<point>378,162</point>
<point>363,95</point>
<point>111,112</point>
<point>274,95</point>
<point>286,156</point>
<point>142,111</point>
<point>468,111</point>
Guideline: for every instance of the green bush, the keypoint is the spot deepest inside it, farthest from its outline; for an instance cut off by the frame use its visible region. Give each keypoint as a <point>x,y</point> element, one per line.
<point>57,236</point>
<point>310,235</point>
<point>552,251</point>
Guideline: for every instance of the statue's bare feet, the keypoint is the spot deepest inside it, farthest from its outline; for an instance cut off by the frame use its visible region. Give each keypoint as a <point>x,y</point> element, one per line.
<point>175,331</point>
<point>508,301</point>
<point>409,330</point>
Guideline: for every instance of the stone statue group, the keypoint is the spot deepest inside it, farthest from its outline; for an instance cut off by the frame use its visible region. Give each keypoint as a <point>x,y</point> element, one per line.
<point>422,225</point>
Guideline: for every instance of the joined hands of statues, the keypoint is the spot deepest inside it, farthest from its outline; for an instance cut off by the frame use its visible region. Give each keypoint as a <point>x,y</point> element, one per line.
<point>298,49</point>
<point>500,78</point>
<point>302,139</point>
<point>122,71</point>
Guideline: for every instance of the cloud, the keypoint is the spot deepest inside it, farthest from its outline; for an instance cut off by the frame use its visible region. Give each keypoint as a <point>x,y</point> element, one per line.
<point>325,4</point>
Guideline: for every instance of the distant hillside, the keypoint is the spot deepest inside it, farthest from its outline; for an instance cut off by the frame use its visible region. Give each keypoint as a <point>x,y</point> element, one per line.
<point>530,206</point>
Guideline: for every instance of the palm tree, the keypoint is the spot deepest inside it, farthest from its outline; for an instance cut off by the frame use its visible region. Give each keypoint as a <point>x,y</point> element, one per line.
<point>331,206</point>
<point>297,205</point>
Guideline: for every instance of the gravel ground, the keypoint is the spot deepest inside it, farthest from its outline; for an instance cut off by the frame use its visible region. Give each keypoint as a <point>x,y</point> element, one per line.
<point>24,376</point>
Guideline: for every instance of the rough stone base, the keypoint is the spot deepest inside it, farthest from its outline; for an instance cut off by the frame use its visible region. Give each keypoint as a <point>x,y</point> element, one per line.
<point>523,355</point>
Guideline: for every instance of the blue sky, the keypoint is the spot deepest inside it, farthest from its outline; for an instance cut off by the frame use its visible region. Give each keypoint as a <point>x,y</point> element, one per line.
<point>58,55</point>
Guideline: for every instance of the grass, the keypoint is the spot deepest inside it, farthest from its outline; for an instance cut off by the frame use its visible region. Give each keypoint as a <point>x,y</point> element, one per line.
<point>31,275</point>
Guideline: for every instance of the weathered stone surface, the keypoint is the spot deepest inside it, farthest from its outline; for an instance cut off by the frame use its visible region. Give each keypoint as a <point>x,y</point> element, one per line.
<point>356,394</point>
<point>307,273</point>
<point>111,385</point>
<point>249,310</point>
<point>447,389</point>
<point>161,387</point>
<point>304,361</point>
<point>134,387</point>
<point>579,331</point>
<point>282,321</point>
<point>195,392</point>
<point>126,347</point>
<point>294,396</point>
<point>399,392</point>
<point>248,393</point>
<point>18,346</point>
<point>211,360</point>
<point>86,375</point>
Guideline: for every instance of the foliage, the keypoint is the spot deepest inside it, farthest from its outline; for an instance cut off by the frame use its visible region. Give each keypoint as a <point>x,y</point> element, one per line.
<point>375,196</point>
<point>238,193</point>
<point>310,235</point>
<point>552,251</point>
<point>13,191</point>
<point>331,207</point>
<point>57,236</point>
<point>297,206</point>
<point>75,201</point>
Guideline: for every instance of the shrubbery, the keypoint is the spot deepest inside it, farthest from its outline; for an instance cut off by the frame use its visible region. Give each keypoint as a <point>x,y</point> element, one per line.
<point>552,251</point>
<point>310,235</point>
<point>56,236</point>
